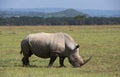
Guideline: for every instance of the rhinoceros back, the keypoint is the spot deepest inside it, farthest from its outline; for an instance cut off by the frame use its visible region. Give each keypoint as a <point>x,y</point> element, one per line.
<point>42,44</point>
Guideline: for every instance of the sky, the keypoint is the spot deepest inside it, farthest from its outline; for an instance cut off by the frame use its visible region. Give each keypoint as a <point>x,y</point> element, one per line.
<point>79,4</point>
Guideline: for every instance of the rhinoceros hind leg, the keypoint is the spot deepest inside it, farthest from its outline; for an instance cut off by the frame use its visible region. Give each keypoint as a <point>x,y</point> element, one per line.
<point>25,61</point>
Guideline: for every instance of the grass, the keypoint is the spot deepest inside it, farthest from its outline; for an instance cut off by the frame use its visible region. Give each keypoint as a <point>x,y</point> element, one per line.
<point>103,42</point>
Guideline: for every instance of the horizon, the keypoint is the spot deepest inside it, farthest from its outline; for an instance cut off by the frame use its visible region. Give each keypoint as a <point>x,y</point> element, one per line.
<point>59,8</point>
<point>76,4</point>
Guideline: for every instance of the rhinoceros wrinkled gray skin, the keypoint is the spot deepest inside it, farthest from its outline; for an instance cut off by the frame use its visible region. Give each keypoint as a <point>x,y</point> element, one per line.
<point>51,45</point>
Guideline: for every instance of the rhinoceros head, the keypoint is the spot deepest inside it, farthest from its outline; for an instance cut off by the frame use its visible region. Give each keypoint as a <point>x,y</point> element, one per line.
<point>75,59</point>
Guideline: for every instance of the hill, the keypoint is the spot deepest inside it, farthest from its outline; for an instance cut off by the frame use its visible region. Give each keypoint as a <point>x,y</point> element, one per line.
<point>47,12</point>
<point>18,13</point>
<point>66,13</point>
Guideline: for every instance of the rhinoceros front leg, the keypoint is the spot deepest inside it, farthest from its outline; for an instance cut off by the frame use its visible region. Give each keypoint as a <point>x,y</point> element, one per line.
<point>61,60</point>
<point>53,57</point>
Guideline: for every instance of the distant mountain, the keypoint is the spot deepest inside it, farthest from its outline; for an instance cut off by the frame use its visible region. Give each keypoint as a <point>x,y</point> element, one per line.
<point>17,13</point>
<point>66,13</point>
<point>57,12</point>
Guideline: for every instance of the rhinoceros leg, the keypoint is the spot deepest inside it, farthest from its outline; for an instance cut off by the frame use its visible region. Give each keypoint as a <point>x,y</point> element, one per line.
<point>61,60</point>
<point>53,57</point>
<point>25,61</point>
<point>25,49</point>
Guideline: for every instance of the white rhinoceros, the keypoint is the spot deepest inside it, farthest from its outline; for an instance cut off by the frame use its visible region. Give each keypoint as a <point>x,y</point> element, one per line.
<point>52,45</point>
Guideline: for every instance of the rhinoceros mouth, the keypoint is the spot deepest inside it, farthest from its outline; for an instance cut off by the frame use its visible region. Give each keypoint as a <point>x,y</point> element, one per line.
<point>86,61</point>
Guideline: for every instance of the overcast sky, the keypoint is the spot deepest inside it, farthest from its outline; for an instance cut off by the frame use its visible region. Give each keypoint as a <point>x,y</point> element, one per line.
<point>81,4</point>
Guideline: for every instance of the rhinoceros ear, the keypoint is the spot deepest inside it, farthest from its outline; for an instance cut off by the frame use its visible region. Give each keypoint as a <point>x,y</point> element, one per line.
<point>77,46</point>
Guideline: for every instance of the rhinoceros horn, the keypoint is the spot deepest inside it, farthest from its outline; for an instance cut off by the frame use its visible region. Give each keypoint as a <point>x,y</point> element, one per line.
<point>85,61</point>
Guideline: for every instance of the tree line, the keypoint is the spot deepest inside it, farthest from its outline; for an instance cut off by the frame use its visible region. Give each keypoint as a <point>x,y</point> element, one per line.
<point>78,20</point>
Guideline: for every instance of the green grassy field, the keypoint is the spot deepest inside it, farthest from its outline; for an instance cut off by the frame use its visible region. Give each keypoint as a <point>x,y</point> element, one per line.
<point>103,42</point>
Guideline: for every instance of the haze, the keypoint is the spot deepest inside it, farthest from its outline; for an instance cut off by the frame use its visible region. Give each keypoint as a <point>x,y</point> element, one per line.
<point>79,4</point>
